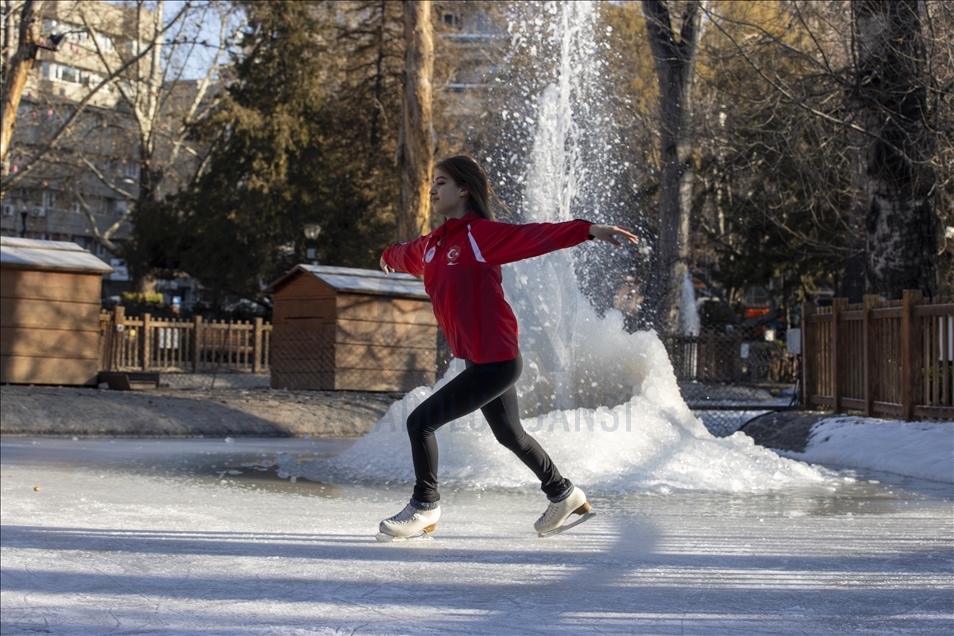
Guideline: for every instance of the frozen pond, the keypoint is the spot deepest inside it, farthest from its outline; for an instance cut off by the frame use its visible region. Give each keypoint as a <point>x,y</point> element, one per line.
<point>201,537</point>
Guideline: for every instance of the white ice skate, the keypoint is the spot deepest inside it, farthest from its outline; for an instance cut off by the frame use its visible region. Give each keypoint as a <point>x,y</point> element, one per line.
<point>553,520</point>
<point>410,523</point>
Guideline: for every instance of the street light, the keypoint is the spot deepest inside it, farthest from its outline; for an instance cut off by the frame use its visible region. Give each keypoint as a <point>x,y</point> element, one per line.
<point>312,230</point>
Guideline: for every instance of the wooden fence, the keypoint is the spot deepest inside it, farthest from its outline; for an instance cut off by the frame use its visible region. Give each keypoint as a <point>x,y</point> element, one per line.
<point>156,344</point>
<point>889,358</point>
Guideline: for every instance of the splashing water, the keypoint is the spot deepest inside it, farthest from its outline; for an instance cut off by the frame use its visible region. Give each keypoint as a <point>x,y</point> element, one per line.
<point>603,402</point>
<point>689,324</point>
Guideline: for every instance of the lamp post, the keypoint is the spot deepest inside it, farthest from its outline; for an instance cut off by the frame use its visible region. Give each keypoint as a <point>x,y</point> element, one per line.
<point>312,230</point>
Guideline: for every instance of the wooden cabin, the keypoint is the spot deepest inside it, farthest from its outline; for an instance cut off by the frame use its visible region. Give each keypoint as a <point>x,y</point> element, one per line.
<point>339,328</point>
<point>50,297</point>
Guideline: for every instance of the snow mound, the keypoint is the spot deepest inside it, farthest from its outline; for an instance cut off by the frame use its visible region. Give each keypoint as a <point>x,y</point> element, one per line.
<point>651,442</point>
<point>916,449</point>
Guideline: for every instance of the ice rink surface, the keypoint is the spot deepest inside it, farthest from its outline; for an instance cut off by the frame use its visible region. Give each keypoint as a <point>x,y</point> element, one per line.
<point>201,537</point>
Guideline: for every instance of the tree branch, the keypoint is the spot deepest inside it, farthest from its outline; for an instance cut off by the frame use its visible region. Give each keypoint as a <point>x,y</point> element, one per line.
<point>800,103</point>
<point>11,179</point>
<point>102,239</point>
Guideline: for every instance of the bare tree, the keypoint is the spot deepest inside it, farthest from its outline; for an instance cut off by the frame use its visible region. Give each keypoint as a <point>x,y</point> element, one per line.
<point>837,133</point>
<point>674,52</point>
<point>773,167</point>
<point>17,70</point>
<point>416,139</point>
<point>148,76</point>
<point>162,105</point>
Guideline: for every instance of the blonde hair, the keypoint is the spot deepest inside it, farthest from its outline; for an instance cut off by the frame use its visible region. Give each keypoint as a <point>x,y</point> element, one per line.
<point>468,174</point>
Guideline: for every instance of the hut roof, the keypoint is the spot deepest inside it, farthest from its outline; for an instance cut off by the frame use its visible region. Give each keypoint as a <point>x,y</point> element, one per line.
<point>360,281</point>
<point>58,256</point>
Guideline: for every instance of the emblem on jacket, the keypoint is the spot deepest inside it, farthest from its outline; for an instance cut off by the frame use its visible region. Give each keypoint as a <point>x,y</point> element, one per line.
<point>430,255</point>
<point>453,253</point>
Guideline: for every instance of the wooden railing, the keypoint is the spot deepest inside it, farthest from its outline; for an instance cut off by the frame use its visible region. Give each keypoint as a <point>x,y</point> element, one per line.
<point>156,344</point>
<point>889,358</point>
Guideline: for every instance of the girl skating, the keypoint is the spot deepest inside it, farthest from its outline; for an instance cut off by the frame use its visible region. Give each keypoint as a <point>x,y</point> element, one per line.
<point>460,262</point>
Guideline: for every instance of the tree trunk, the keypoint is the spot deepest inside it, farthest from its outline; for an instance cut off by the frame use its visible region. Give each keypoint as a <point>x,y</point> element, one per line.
<point>416,142</point>
<point>895,148</point>
<point>375,136</point>
<point>675,67</point>
<point>853,282</point>
<point>145,105</point>
<point>19,70</point>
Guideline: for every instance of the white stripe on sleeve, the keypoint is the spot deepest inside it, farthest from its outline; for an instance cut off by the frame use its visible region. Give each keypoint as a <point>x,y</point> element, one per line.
<point>473,244</point>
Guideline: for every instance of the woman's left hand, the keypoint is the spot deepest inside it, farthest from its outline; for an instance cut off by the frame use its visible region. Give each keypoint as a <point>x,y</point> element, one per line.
<point>609,233</point>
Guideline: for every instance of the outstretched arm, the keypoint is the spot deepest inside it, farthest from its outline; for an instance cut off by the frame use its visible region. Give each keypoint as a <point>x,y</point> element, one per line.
<point>500,243</point>
<point>405,257</point>
<point>609,233</point>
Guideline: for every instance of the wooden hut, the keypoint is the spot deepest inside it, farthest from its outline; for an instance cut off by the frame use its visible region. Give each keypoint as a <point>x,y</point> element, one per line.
<point>49,312</point>
<point>338,328</point>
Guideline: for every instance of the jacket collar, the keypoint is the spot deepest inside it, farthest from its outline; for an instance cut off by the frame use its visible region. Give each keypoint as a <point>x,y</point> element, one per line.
<point>471,215</point>
<point>467,218</point>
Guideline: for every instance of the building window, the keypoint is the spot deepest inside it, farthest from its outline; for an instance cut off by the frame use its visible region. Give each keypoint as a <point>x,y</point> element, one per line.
<point>77,34</point>
<point>49,199</point>
<point>62,73</point>
<point>75,207</point>
<point>69,74</point>
<point>130,169</point>
<point>452,20</point>
<point>105,43</point>
<point>115,207</point>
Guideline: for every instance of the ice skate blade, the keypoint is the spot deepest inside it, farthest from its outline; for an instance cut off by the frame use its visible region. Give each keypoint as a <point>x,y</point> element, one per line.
<point>567,526</point>
<point>390,538</point>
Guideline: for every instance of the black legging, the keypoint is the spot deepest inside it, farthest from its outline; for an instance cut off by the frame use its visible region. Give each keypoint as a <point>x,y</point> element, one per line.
<point>490,388</point>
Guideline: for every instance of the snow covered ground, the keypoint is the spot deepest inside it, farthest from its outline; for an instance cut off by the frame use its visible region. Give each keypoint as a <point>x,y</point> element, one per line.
<point>915,449</point>
<point>202,537</point>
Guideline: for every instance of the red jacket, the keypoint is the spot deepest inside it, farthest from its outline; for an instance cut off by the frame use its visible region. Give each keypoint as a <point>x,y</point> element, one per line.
<point>461,262</point>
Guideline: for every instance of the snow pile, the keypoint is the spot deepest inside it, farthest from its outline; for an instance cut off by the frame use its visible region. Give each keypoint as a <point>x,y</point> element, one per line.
<point>916,449</point>
<point>650,442</point>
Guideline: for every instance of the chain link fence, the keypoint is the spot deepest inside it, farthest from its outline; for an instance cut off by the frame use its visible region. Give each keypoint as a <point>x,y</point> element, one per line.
<point>724,409</point>
<point>728,378</point>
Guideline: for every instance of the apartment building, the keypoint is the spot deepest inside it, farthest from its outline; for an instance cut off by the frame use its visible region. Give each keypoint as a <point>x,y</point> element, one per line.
<point>472,45</point>
<point>79,189</point>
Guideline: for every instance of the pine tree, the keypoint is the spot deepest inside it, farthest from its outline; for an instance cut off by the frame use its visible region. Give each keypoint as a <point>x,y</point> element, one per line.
<point>284,154</point>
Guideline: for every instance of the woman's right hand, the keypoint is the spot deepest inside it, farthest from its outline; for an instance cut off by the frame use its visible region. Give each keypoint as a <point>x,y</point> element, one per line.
<point>385,267</point>
<point>609,233</point>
